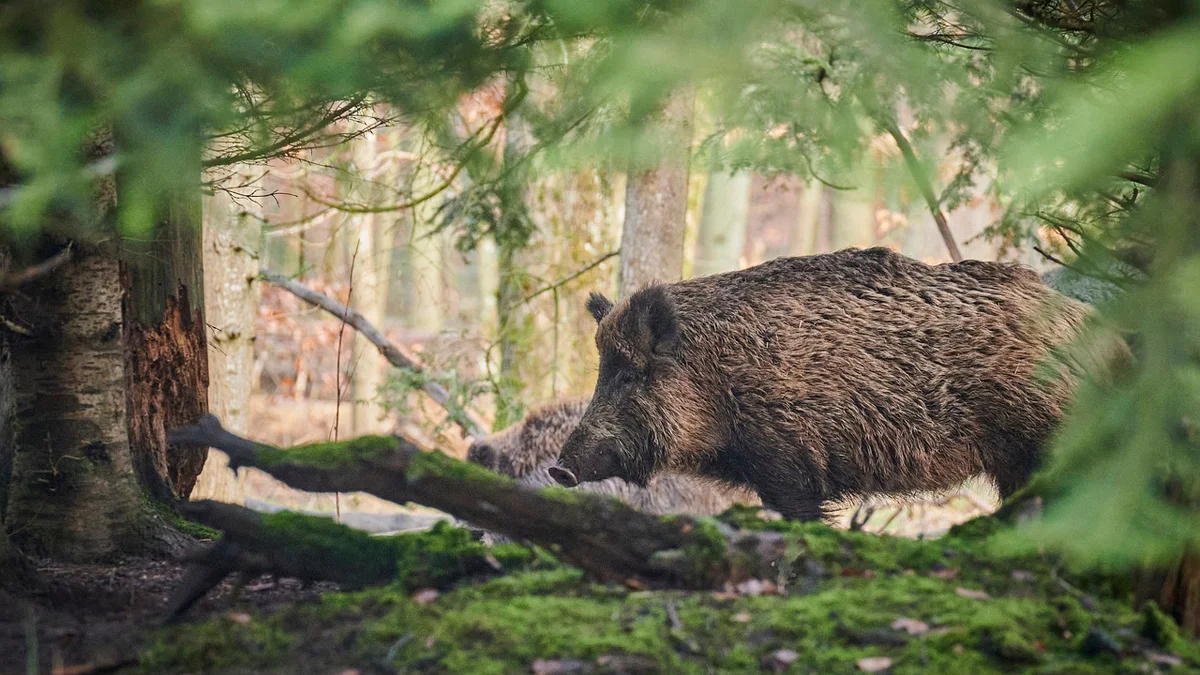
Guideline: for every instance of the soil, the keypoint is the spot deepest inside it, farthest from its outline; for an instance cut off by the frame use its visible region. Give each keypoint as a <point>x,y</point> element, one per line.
<point>92,615</point>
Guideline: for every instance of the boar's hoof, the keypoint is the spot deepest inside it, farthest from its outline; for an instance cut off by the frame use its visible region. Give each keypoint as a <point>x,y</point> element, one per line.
<point>564,476</point>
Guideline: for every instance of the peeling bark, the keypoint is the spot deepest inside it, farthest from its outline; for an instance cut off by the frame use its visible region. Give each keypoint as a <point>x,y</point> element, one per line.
<point>167,369</point>
<point>166,350</point>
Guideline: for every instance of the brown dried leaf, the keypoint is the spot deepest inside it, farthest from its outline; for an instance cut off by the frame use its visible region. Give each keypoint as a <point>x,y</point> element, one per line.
<point>910,626</point>
<point>424,596</point>
<point>779,660</point>
<point>874,664</point>
<point>972,594</point>
<point>557,667</point>
<point>948,573</point>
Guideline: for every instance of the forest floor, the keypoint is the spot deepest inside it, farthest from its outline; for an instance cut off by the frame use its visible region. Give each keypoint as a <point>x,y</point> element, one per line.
<point>847,602</point>
<point>101,614</point>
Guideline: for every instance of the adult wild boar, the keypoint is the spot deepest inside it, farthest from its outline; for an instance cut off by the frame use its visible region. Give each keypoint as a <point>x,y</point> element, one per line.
<point>526,450</point>
<point>818,378</point>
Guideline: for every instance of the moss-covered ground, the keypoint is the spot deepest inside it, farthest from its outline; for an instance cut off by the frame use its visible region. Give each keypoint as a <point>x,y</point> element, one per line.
<point>952,605</point>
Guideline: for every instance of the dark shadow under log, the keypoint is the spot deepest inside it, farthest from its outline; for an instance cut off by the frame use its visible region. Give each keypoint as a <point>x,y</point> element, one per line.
<point>604,537</point>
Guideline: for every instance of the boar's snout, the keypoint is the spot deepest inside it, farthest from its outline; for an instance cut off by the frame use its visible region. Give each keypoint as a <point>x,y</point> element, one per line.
<point>586,463</point>
<point>564,477</point>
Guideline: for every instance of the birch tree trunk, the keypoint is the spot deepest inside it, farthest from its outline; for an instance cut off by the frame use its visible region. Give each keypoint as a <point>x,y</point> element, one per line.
<point>722,234</point>
<point>656,207</point>
<point>118,358</point>
<point>232,242</point>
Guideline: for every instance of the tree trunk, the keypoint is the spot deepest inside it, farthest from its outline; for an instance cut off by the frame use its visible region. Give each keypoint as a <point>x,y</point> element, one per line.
<point>656,207</point>
<point>1176,591</point>
<point>723,222</point>
<point>118,357</point>
<point>166,350</point>
<point>371,281</point>
<point>232,239</point>
<point>424,261</point>
<point>804,238</point>
<point>74,492</point>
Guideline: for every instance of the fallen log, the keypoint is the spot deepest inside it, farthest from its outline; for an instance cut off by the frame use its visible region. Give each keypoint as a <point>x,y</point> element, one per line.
<point>315,548</point>
<point>602,536</point>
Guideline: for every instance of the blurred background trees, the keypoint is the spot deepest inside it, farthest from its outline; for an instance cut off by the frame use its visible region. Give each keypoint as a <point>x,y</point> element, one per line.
<point>462,173</point>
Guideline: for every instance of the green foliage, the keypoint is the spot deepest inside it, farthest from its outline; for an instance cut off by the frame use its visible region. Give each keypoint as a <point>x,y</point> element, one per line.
<point>401,383</point>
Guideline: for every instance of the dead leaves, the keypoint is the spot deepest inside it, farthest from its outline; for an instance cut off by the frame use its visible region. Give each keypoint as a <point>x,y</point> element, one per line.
<point>874,664</point>
<point>971,594</point>
<point>913,627</point>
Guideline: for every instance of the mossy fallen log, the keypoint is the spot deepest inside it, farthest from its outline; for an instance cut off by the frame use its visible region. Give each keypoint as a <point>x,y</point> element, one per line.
<point>313,548</point>
<point>602,536</point>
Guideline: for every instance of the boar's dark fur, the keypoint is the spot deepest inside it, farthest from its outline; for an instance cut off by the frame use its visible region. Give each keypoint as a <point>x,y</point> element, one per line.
<point>527,449</point>
<point>820,378</point>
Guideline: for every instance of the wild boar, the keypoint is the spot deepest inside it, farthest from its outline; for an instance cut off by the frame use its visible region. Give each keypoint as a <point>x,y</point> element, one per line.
<point>820,378</point>
<point>526,450</point>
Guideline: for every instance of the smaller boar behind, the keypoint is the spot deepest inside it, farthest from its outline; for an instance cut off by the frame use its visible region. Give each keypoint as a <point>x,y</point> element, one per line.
<point>528,449</point>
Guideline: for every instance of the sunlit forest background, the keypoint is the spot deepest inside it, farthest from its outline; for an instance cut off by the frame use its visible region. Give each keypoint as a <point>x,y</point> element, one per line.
<point>339,221</point>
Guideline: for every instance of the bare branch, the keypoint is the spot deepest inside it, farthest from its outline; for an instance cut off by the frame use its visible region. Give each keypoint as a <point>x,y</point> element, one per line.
<point>573,276</point>
<point>925,186</point>
<point>14,280</point>
<point>471,424</point>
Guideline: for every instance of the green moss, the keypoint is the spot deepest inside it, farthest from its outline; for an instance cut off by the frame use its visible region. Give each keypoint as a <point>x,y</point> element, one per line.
<point>331,455</point>
<point>1160,628</point>
<point>438,464</point>
<point>220,644</point>
<point>836,611</point>
<point>164,514</point>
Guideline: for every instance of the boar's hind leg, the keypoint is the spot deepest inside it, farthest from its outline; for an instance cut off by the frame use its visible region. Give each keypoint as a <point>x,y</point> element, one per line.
<point>1012,471</point>
<point>800,506</point>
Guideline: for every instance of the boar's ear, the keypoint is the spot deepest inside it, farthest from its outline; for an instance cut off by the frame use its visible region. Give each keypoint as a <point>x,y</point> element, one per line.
<point>655,323</point>
<point>598,306</point>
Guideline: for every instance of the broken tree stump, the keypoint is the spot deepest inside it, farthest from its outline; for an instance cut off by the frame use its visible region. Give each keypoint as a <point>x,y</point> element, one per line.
<point>602,536</point>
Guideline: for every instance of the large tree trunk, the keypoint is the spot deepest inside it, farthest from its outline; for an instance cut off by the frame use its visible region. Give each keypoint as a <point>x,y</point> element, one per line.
<point>12,568</point>
<point>722,222</point>
<point>656,207</point>
<point>118,357</point>
<point>232,239</point>
<point>808,220</point>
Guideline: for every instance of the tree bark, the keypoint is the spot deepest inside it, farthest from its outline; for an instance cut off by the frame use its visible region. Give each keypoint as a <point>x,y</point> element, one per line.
<point>74,491</point>
<point>232,239</point>
<point>722,234</point>
<point>656,207</point>
<point>166,349</point>
<point>808,220</point>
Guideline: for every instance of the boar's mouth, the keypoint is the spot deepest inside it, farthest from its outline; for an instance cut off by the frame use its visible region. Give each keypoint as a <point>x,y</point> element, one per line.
<point>563,476</point>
